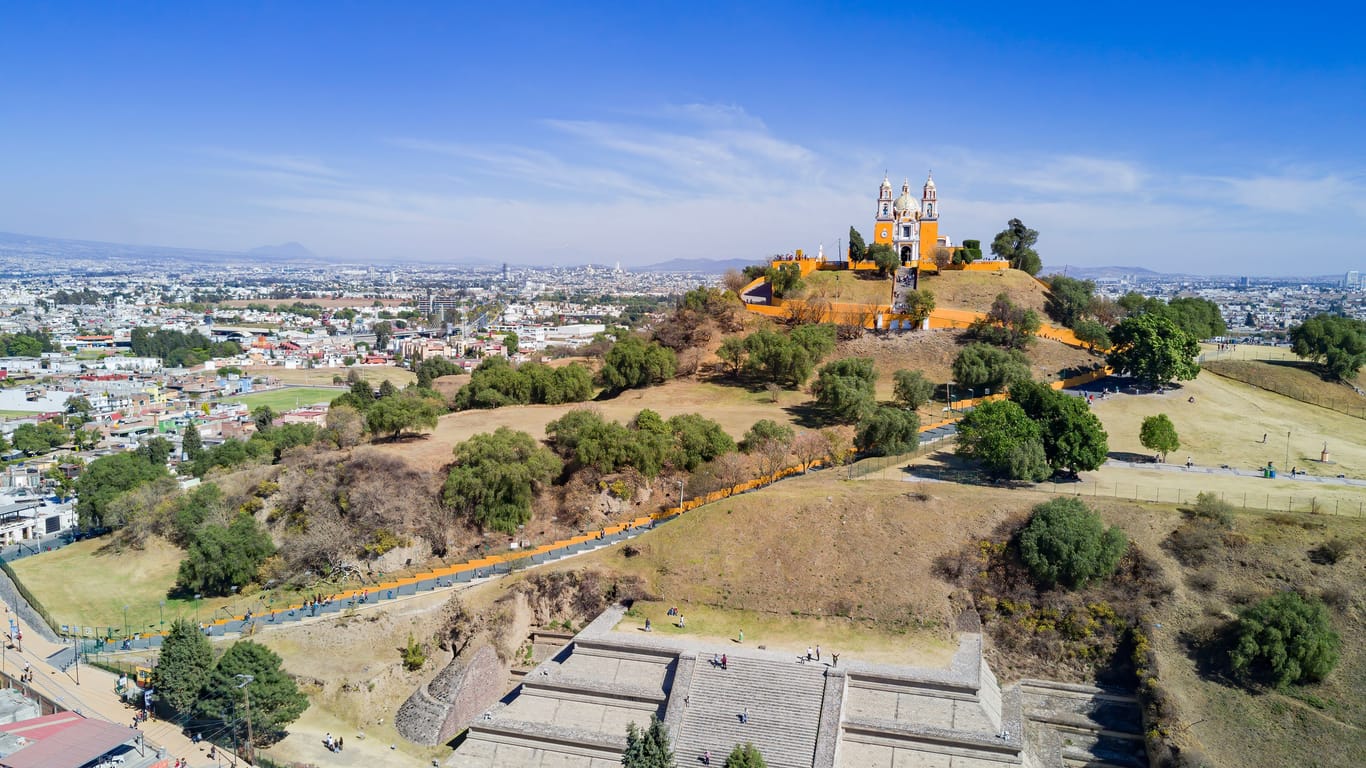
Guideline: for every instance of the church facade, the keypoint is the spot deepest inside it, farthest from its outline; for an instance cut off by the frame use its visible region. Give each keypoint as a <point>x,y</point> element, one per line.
<point>911,227</point>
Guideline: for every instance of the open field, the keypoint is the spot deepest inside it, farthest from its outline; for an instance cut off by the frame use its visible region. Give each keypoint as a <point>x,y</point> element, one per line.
<point>976,290</point>
<point>91,583</point>
<point>288,397</point>
<point>323,376</point>
<point>1226,422</point>
<point>1294,379</point>
<point>735,408</point>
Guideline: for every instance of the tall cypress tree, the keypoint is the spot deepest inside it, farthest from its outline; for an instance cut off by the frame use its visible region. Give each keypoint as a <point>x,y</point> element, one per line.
<point>183,667</point>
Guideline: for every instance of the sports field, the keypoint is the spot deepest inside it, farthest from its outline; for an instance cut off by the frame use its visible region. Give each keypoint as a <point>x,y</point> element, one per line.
<point>288,397</point>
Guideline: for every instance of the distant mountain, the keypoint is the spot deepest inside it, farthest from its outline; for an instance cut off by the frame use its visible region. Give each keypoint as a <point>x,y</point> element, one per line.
<point>706,266</point>
<point>1093,273</point>
<point>290,251</point>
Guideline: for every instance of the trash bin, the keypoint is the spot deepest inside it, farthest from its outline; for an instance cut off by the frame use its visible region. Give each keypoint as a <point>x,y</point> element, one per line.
<point>1271,473</point>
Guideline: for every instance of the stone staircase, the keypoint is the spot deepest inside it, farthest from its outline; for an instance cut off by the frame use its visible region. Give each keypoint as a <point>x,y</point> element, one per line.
<point>784,701</point>
<point>1088,726</point>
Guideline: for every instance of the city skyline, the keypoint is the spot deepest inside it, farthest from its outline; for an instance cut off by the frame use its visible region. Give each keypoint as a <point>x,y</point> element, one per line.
<point>448,134</point>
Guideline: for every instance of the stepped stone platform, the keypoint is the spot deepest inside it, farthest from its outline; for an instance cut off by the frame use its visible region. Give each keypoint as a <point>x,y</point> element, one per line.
<point>572,711</point>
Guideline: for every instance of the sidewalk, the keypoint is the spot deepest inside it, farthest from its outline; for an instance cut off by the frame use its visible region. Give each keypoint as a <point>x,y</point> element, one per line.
<point>1227,470</point>
<point>94,697</point>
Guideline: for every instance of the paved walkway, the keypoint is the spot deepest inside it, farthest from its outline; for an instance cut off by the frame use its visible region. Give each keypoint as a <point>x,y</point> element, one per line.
<point>94,697</point>
<point>1234,471</point>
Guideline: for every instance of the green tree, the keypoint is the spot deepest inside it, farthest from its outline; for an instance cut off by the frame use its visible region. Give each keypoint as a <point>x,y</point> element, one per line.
<point>885,257</point>
<point>1335,343</point>
<point>766,431</point>
<point>697,440</point>
<point>911,389</point>
<point>1159,434</point>
<point>1015,244</point>
<point>495,383</point>
<point>1066,543</point>
<point>495,477</point>
<point>857,249</point>
<point>785,279</point>
<point>275,698</point>
<point>1073,438</point>
<point>35,439</point>
<point>384,331</point>
<point>219,558</point>
<point>183,666</point>
<point>1285,639</point>
<point>745,756</point>
<point>648,747</point>
<point>918,304</point>
<point>732,352</point>
<point>1068,300</point>
<point>262,416</point>
<point>79,404</point>
<point>191,442</point>
<point>1092,333</point>
<point>633,363</point>
<point>1007,443</point>
<point>981,367</point>
<point>589,440</point>
<point>1151,348</point>
<point>511,343</point>
<point>1199,318</point>
<point>1006,324</point>
<point>845,388</point>
<point>387,389</point>
<point>887,431</point>
<point>401,413</point>
<point>105,479</point>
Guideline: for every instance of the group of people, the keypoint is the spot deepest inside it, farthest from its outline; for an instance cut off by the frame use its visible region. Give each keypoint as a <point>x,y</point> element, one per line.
<point>333,745</point>
<point>720,661</point>
<point>27,675</point>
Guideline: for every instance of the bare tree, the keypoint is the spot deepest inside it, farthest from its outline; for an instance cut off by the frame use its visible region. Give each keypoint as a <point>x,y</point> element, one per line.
<point>731,469</point>
<point>771,457</point>
<point>734,280</point>
<point>810,446</point>
<point>839,441</point>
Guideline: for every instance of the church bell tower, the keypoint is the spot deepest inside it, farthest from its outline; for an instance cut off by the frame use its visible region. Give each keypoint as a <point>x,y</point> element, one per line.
<point>885,223</point>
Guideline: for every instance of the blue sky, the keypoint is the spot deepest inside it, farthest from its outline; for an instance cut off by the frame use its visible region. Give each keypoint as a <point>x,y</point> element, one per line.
<point>1214,140</point>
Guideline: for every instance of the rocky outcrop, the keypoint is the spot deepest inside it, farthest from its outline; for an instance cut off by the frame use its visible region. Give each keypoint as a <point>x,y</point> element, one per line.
<point>462,691</point>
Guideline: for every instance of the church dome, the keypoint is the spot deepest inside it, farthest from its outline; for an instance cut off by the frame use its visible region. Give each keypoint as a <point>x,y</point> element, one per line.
<point>904,204</point>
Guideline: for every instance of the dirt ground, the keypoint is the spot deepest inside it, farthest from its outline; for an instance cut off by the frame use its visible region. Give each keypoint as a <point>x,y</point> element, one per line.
<point>352,672</point>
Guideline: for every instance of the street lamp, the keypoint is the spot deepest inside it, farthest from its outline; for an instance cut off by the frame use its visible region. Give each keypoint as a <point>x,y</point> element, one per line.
<point>1287,451</point>
<point>125,622</point>
<point>197,597</point>
<point>680,497</point>
<point>163,614</point>
<point>246,697</point>
<point>950,386</point>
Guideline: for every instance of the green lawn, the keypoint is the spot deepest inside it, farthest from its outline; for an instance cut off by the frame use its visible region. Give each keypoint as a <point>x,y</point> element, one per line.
<point>289,397</point>
<point>91,582</point>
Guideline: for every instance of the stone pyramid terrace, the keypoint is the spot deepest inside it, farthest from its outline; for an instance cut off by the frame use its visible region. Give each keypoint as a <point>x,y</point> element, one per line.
<point>572,711</point>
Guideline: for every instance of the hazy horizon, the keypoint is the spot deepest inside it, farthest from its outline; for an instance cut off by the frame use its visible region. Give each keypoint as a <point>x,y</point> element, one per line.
<point>434,133</point>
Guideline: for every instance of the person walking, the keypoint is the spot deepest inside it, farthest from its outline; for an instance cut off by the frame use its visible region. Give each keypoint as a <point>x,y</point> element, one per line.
<point>744,717</point>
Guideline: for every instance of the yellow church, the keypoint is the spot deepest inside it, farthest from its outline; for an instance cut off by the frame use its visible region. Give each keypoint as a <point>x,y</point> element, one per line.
<point>911,227</point>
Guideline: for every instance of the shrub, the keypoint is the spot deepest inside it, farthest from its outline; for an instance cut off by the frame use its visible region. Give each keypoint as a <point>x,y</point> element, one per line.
<point>1333,550</point>
<point>1284,639</point>
<point>414,655</point>
<point>1066,543</point>
<point>911,388</point>
<point>888,431</point>
<point>1209,506</point>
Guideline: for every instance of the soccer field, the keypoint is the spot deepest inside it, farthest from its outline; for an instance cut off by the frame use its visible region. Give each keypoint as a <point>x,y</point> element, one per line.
<point>288,397</point>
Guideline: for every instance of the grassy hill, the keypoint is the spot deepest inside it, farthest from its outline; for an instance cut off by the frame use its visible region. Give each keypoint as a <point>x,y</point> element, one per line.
<point>1293,378</point>
<point>976,290</point>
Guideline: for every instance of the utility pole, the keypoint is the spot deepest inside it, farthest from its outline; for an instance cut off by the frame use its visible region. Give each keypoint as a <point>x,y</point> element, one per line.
<point>246,697</point>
